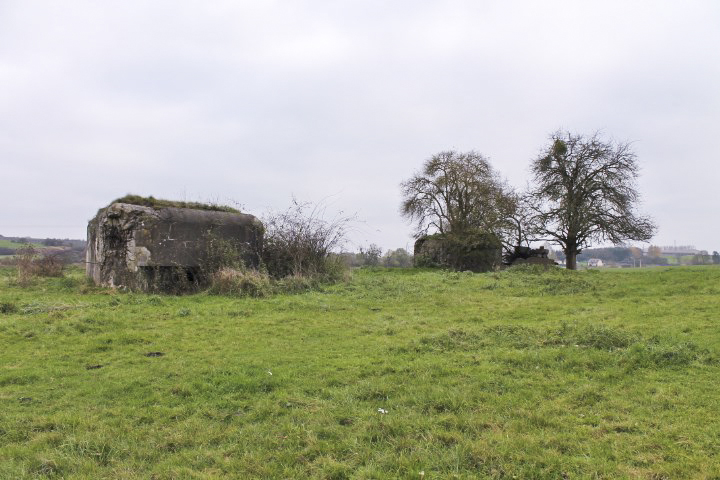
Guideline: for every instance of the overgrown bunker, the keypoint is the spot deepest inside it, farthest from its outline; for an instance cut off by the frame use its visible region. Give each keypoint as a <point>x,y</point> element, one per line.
<point>167,248</point>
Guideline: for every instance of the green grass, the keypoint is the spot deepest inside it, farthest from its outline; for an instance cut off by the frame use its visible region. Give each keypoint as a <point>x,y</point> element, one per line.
<point>517,374</point>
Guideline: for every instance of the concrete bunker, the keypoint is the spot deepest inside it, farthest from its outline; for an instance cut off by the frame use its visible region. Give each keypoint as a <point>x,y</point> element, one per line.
<point>475,251</point>
<point>162,247</point>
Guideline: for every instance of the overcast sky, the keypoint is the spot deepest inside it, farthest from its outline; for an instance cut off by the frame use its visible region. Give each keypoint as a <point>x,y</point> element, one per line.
<point>249,103</point>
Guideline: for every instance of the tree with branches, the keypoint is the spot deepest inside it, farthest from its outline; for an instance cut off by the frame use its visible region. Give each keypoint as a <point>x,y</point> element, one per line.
<point>457,192</point>
<point>585,191</point>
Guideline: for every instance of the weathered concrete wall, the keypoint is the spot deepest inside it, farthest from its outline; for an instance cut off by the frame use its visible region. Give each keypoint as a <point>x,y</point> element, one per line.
<point>144,248</point>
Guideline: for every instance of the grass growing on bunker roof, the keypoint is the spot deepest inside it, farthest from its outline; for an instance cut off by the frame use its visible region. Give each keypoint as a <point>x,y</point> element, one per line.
<point>537,374</point>
<point>160,203</point>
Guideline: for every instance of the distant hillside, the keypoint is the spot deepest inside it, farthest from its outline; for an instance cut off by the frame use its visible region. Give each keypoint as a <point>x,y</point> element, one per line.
<point>72,250</point>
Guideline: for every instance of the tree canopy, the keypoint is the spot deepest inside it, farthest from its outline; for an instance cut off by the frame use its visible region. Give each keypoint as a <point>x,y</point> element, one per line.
<point>456,192</point>
<point>585,191</point>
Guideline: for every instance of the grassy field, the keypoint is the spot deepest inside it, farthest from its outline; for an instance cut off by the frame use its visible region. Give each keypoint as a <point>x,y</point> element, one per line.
<point>396,374</point>
<point>5,243</point>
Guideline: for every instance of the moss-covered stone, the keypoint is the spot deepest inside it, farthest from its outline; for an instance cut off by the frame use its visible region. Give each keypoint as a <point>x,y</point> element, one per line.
<point>475,251</point>
<point>156,203</point>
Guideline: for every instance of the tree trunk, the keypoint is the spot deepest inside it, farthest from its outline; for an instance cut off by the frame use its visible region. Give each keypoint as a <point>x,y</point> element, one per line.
<point>571,258</point>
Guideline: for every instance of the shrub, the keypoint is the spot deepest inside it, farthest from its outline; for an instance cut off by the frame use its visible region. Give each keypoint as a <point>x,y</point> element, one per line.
<point>24,264</point>
<point>335,269</point>
<point>371,255</point>
<point>48,265</point>
<point>295,284</point>
<point>297,255</point>
<point>299,241</point>
<point>397,258</point>
<point>29,264</point>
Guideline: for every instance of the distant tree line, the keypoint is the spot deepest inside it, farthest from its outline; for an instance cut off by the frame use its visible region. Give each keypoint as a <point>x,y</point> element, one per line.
<point>704,258</point>
<point>55,242</point>
<point>373,256</point>
<point>48,242</point>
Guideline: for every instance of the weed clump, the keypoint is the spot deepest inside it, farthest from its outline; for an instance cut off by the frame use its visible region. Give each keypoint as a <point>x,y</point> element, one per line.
<point>600,337</point>
<point>240,282</point>
<point>8,307</point>
<point>243,282</point>
<point>295,284</point>
<point>46,467</point>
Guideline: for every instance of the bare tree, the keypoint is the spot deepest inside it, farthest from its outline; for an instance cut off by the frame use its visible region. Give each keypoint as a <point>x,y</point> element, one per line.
<point>519,228</point>
<point>585,191</point>
<point>371,255</point>
<point>457,192</point>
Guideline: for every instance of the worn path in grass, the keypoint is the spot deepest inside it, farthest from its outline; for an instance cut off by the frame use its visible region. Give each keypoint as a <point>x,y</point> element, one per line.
<point>523,374</point>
